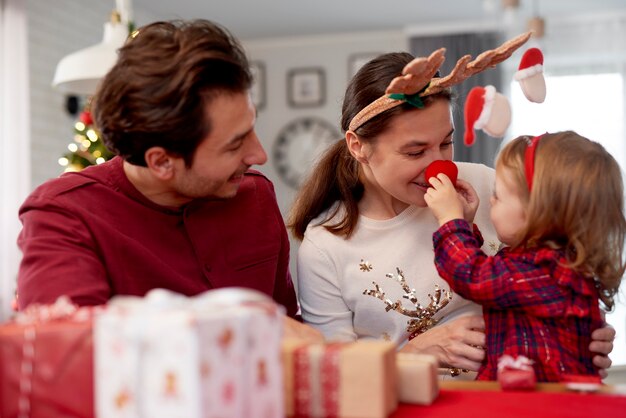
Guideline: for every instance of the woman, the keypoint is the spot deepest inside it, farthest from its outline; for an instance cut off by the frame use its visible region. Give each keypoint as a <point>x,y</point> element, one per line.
<point>365,266</point>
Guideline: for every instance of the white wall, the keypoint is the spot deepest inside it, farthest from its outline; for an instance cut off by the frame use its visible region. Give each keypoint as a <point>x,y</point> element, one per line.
<point>55,29</point>
<point>14,140</point>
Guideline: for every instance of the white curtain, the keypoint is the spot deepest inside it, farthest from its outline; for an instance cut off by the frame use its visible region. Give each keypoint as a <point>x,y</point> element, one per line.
<point>586,41</point>
<point>14,140</point>
<point>458,45</point>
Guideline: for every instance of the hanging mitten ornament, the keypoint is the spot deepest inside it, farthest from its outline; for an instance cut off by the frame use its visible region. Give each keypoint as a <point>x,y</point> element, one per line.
<point>488,110</point>
<point>530,75</point>
<point>446,167</point>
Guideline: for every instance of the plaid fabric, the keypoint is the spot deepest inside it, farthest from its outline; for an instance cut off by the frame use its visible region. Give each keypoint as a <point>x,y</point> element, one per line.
<point>532,303</point>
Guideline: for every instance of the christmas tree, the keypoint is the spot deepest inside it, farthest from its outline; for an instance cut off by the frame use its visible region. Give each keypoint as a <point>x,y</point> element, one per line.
<point>87,148</point>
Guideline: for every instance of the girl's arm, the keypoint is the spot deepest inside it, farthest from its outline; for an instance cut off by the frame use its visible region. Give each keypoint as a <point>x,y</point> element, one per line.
<point>499,281</point>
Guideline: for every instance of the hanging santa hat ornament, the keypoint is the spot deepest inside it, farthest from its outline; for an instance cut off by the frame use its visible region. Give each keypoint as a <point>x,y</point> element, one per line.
<point>530,75</point>
<point>488,110</point>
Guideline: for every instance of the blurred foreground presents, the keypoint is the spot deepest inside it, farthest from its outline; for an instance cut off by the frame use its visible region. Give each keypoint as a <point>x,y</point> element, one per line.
<point>220,353</point>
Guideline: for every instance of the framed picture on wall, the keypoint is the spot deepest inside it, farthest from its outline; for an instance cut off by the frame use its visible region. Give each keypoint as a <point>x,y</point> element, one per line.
<point>356,61</point>
<point>258,90</point>
<point>306,87</point>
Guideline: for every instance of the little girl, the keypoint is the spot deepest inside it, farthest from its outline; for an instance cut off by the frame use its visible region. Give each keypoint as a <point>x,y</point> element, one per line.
<point>558,207</point>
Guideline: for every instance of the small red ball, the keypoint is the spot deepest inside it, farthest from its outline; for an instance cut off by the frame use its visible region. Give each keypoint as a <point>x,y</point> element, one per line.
<point>446,167</point>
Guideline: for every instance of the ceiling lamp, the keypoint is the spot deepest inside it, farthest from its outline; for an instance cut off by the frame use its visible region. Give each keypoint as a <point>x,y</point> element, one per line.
<point>81,71</point>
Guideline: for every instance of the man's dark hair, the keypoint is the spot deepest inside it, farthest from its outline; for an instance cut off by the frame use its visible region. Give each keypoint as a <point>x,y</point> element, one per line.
<point>157,92</point>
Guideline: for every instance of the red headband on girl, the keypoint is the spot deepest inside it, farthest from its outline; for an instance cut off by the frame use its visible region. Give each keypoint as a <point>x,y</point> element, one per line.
<point>529,160</point>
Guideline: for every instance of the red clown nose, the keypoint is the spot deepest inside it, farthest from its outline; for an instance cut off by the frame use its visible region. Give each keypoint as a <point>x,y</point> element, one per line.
<point>446,167</point>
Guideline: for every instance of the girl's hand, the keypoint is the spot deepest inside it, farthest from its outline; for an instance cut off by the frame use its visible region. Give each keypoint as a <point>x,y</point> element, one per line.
<point>443,199</point>
<point>603,344</point>
<point>458,343</point>
<point>469,199</point>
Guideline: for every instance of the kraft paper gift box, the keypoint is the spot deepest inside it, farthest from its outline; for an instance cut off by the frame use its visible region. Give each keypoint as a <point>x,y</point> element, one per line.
<point>418,381</point>
<point>217,354</point>
<point>46,362</point>
<point>339,380</point>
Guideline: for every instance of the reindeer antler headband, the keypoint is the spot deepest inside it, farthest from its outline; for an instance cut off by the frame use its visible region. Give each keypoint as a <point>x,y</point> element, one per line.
<point>417,79</point>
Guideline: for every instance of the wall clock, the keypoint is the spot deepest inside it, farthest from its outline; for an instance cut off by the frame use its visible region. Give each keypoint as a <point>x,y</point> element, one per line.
<point>299,145</point>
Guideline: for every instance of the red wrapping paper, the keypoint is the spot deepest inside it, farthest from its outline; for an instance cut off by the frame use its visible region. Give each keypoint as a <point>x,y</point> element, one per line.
<point>61,382</point>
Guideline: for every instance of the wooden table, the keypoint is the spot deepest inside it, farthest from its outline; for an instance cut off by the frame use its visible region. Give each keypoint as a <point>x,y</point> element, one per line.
<point>486,400</point>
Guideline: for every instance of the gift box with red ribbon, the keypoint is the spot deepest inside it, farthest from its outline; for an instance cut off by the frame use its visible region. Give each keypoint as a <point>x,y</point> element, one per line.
<point>166,355</point>
<point>46,362</point>
<point>340,379</point>
<point>516,373</point>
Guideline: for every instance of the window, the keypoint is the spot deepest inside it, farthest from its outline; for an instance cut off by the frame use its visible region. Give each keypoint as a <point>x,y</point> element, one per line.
<point>593,106</point>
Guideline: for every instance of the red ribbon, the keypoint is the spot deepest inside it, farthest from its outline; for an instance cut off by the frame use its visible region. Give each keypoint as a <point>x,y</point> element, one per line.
<point>317,380</point>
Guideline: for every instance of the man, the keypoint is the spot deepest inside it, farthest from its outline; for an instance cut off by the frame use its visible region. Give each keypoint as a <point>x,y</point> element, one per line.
<point>178,208</point>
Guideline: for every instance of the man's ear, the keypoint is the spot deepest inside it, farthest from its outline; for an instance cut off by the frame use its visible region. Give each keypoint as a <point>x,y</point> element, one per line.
<point>356,147</point>
<point>160,163</point>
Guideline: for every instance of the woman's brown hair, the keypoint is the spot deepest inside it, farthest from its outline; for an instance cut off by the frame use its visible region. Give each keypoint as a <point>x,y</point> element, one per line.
<point>335,178</point>
<point>157,92</point>
<point>576,204</point>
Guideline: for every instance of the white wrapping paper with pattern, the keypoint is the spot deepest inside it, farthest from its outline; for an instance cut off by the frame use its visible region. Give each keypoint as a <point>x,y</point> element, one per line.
<point>166,356</point>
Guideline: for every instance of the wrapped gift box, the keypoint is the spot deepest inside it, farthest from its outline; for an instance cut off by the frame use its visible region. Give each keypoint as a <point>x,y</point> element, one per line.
<point>46,363</point>
<point>418,381</point>
<point>339,380</point>
<point>516,373</point>
<point>217,354</point>
<point>517,379</point>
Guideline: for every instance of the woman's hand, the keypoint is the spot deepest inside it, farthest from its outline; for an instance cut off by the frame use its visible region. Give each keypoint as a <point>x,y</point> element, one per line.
<point>603,344</point>
<point>295,329</point>
<point>443,199</point>
<point>455,344</point>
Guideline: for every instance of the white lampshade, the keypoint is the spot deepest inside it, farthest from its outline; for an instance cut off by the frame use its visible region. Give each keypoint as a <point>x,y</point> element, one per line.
<point>81,71</point>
